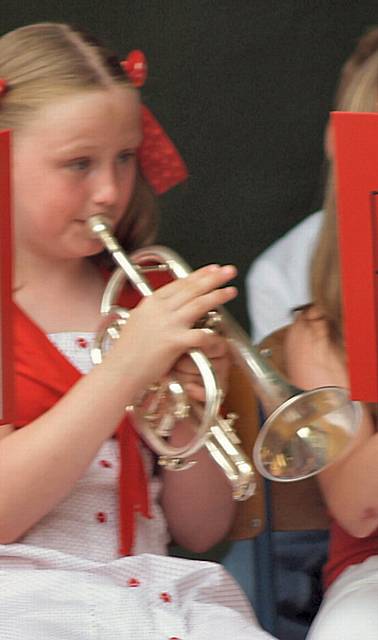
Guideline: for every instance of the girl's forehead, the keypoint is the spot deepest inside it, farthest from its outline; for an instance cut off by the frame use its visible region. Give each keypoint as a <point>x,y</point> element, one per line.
<point>86,113</point>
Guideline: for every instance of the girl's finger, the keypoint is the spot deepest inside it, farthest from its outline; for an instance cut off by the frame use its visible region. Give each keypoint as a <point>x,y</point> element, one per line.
<point>195,392</point>
<point>196,284</point>
<point>216,349</point>
<point>198,307</point>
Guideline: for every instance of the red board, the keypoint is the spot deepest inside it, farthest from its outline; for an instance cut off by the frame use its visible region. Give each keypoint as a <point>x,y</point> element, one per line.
<point>6,341</point>
<point>356,162</point>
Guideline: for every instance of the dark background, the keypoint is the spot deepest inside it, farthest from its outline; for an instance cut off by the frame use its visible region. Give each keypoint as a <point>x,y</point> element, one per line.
<point>244,88</point>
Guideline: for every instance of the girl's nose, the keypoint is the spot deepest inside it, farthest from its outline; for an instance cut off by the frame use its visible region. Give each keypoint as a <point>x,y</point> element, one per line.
<point>105,188</point>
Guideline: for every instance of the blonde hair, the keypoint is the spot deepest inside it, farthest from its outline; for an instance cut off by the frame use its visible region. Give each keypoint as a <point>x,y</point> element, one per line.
<point>42,62</point>
<point>358,92</point>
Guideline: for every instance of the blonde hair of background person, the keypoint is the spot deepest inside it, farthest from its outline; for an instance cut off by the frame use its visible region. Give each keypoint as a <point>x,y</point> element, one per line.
<point>315,357</point>
<point>278,280</point>
<point>76,125</point>
<point>357,92</point>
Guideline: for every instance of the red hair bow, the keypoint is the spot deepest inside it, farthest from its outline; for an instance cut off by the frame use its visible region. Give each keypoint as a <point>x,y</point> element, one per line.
<point>159,160</point>
<point>3,86</point>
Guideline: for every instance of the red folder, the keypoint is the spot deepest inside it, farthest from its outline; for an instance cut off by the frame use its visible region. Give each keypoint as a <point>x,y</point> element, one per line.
<point>6,340</point>
<point>356,163</point>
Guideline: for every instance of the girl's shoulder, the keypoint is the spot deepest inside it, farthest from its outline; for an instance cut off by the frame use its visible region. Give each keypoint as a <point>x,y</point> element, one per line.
<point>312,358</point>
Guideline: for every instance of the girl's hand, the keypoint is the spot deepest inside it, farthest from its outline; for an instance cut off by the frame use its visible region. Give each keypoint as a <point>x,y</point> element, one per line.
<point>186,372</point>
<point>160,329</point>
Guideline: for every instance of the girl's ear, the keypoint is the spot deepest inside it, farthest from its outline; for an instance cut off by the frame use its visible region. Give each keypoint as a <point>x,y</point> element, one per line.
<point>328,140</point>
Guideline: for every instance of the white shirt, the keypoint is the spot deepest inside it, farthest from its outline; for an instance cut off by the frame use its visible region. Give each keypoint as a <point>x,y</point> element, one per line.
<point>278,280</point>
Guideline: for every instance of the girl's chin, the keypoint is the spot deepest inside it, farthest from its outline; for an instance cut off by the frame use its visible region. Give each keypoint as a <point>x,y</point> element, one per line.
<point>85,239</point>
<point>94,249</point>
<point>85,249</point>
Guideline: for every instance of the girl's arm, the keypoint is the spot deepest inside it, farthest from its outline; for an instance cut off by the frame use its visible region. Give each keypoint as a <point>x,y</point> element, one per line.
<point>350,486</point>
<point>40,464</point>
<point>198,502</point>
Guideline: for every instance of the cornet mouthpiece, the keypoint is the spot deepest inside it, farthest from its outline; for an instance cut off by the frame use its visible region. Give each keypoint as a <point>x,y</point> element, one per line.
<point>99,223</point>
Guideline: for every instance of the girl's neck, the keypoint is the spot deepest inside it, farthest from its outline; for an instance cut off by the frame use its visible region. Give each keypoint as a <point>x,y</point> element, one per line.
<point>31,268</point>
<point>60,297</point>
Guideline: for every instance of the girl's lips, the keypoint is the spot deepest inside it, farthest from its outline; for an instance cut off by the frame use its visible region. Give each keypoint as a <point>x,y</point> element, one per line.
<point>108,218</point>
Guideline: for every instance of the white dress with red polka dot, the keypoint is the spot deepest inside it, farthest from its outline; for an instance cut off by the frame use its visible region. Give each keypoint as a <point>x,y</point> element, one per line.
<point>92,507</point>
<point>65,580</point>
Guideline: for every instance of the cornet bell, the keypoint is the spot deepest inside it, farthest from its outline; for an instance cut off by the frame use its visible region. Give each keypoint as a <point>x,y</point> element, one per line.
<point>306,434</point>
<point>305,431</point>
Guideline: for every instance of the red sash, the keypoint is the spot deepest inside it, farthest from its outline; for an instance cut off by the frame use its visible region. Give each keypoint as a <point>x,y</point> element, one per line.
<point>346,550</point>
<point>43,376</point>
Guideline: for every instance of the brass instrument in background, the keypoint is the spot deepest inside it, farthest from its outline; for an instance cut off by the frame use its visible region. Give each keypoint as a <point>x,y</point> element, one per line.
<point>305,431</point>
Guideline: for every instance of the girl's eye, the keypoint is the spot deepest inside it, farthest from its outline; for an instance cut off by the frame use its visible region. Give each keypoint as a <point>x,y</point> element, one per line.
<point>79,164</point>
<point>125,156</point>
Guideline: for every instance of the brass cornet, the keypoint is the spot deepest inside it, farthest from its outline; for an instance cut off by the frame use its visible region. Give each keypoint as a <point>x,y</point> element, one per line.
<point>305,431</point>
<point>166,402</point>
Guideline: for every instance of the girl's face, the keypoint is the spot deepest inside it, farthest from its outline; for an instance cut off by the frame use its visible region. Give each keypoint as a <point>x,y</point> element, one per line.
<point>73,159</point>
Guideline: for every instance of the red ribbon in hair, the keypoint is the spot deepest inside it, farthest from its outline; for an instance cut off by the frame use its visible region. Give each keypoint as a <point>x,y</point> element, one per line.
<point>3,86</point>
<point>159,160</point>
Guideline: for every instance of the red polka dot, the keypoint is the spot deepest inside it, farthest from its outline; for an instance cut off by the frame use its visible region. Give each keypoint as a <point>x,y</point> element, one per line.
<point>101,516</point>
<point>82,343</point>
<point>105,463</point>
<point>166,597</point>
<point>133,582</point>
